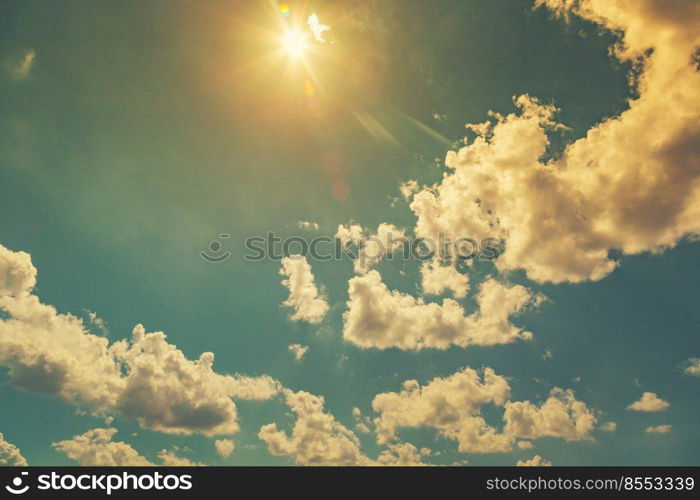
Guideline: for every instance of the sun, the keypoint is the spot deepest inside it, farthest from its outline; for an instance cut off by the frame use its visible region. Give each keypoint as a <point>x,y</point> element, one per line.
<point>294,43</point>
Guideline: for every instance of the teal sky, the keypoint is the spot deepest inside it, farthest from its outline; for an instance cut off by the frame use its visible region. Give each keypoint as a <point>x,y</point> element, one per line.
<point>141,131</point>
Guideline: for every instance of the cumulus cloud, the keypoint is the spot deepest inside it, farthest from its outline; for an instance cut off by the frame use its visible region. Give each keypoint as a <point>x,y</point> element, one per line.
<point>380,318</point>
<point>536,461</point>
<point>170,459</point>
<point>608,427</point>
<point>308,304</point>
<point>224,447</point>
<point>659,429</point>
<point>452,406</point>
<point>649,402</point>
<point>10,454</point>
<point>561,415</point>
<point>408,188</point>
<point>372,248</point>
<point>436,278</point>
<point>692,367</point>
<point>317,437</point>
<point>402,455</point>
<point>143,378</point>
<point>632,184</point>
<point>96,448</point>
<point>298,351</point>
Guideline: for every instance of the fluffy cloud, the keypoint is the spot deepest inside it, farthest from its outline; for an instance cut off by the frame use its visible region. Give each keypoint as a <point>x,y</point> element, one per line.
<point>170,459</point>
<point>312,226</point>
<point>224,447</point>
<point>561,415</point>
<point>298,351</point>
<point>143,378</point>
<point>380,318</point>
<point>316,28</point>
<point>437,278</point>
<point>631,184</point>
<point>304,297</point>
<point>10,454</point>
<point>317,437</point>
<point>659,429</point>
<point>649,402</point>
<point>692,367</point>
<point>96,448</point>
<point>402,455</point>
<point>536,461</point>
<point>373,248</point>
<point>452,405</point>
<point>608,427</point>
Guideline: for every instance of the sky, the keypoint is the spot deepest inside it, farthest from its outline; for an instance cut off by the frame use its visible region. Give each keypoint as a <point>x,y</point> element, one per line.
<point>142,141</point>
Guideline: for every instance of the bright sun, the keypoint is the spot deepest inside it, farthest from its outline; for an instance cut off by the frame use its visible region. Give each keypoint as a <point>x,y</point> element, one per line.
<point>294,43</point>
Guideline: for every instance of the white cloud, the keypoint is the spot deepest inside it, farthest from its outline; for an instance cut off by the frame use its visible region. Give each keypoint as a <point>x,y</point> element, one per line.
<point>692,367</point>
<point>224,447</point>
<point>450,405</point>
<point>312,226</point>
<point>308,304</point>
<point>408,188</point>
<point>437,278</point>
<point>10,454</point>
<point>536,461</point>
<point>317,438</point>
<point>96,448</point>
<point>631,184</point>
<point>649,402</point>
<point>525,445</point>
<point>659,429</point>
<point>170,459</point>
<point>317,29</point>
<point>298,351</point>
<point>380,318</point>
<point>401,455</point>
<point>561,415</point>
<point>143,378</point>
<point>20,70</point>
<point>387,240</point>
<point>608,427</point>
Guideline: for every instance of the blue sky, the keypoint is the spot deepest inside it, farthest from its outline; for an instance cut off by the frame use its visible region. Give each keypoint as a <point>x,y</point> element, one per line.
<point>134,134</point>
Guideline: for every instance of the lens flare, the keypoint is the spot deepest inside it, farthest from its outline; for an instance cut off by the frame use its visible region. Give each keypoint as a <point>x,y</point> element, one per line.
<point>294,43</point>
<point>284,10</point>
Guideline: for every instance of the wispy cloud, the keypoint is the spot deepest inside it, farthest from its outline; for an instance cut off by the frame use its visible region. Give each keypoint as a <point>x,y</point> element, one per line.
<point>20,71</point>
<point>317,28</point>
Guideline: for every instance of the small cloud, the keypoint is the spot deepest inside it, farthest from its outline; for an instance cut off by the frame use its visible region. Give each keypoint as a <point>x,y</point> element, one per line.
<point>317,28</point>
<point>224,447</point>
<point>525,445</point>
<point>98,323</point>
<point>659,429</point>
<point>649,402</point>
<point>608,427</point>
<point>548,354</point>
<point>536,461</point>
<point>692,367</point>
<point>298,350</point>
<point>304,224</point>
<point>20,70</point>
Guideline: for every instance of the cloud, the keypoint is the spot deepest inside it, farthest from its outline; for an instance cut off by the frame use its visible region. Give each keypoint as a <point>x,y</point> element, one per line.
<point>317,438</point>
<point>304,297</point>
<point>96,448</point>
<point>312,226</point>
<point>298,350</point>
<point>608,427</point>
<point>525,445</point>
<point>20,70</point>
<point>649,402</point>
<point>437,278</point>
<point>692,367</point>
<point>536,461</point>
<point>224,447</point>
<point>143,378</point>
<point>632,184</point>
<point>380,318</point>
<point>10,454</point>
<point>169,459</point>
<point>561,416</point>
<point>659,429</point>
<point>452,406</point>
<point>317,29</point>
<point>402,455</point>
<point>408,188</point>
<point>373,248</point>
